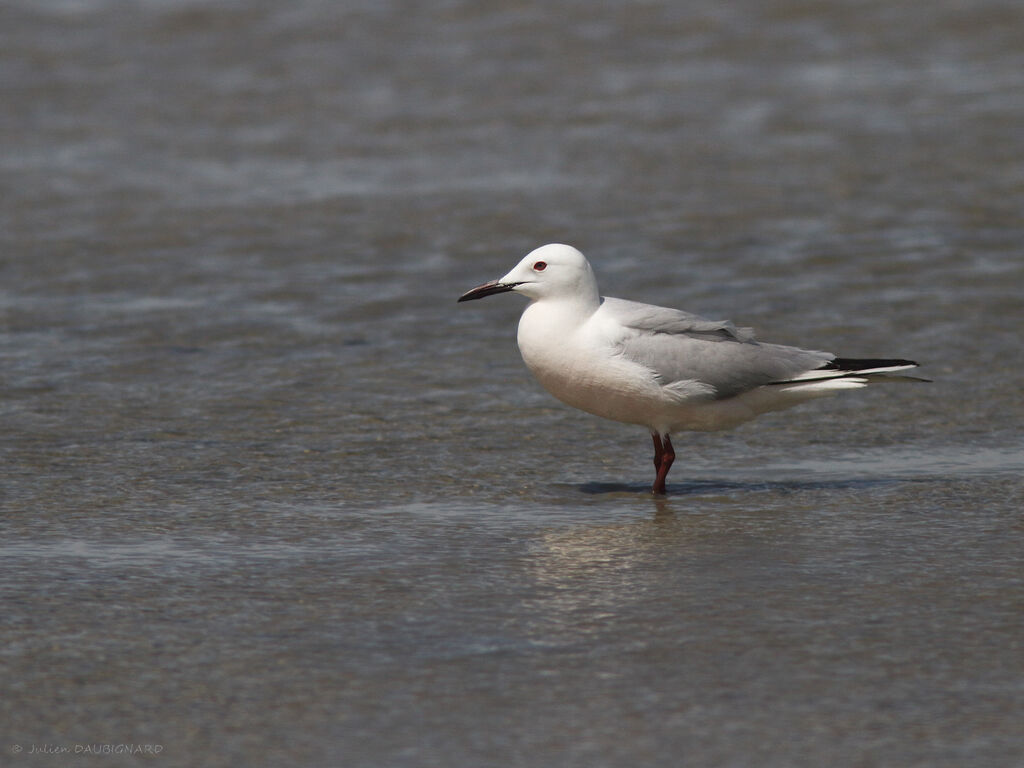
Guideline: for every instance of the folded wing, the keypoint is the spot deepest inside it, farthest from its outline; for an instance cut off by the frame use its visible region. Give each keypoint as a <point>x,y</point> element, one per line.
<point>689,353</point>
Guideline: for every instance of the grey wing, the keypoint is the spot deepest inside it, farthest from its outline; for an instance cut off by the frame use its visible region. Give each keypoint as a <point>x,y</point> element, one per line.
<point>648,317</point>
<point>681,348</point>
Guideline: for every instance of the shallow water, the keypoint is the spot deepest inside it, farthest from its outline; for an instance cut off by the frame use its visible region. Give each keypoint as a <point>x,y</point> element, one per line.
<point>270,497</point>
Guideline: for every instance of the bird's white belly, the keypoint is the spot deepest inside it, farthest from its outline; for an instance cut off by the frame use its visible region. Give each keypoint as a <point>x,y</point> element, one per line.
<point>583,371</point>
<point>620,391</point>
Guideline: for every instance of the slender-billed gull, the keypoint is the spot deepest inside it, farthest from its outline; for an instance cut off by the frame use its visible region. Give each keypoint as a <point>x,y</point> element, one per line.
<point>664,369</point>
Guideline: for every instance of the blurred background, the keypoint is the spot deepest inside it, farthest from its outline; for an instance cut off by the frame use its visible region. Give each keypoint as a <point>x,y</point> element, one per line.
<point>270,497</point>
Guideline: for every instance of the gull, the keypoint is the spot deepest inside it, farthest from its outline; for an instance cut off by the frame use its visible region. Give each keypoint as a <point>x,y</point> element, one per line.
<point>663,369</point>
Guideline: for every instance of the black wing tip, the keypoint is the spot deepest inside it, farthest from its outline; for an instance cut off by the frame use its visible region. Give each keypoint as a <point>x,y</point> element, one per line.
<point>854,364</point>
<point>874,368</point>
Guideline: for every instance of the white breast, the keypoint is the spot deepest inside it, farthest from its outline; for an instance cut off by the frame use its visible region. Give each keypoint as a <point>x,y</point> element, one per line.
<point>576,362</point>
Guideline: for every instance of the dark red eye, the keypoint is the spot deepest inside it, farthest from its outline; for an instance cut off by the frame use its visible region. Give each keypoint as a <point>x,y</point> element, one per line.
<point>540,266</point>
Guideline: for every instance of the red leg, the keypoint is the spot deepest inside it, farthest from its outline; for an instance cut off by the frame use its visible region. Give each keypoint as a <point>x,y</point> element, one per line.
<point>663,462</point>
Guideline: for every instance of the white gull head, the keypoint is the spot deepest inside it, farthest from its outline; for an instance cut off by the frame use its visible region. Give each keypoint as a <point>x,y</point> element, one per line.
<point>553,271</point>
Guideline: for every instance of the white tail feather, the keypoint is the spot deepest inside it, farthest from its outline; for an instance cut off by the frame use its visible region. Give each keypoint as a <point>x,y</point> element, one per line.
<point>824,386</point>
<point>820,375</point>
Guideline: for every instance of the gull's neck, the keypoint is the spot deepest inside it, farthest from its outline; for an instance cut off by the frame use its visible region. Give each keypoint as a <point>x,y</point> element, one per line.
<point>583,299</point>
